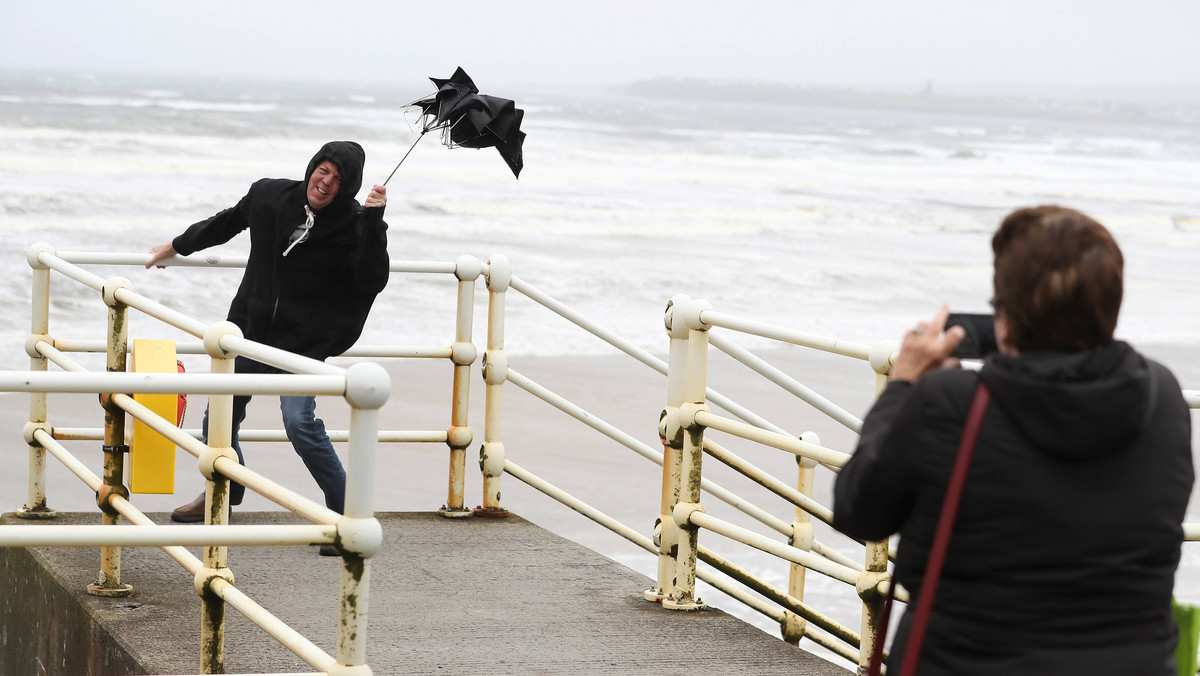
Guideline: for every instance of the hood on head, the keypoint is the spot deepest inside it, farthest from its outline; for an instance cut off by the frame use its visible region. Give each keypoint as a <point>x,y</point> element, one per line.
<point>349,158</point>
<point>1074,405</point>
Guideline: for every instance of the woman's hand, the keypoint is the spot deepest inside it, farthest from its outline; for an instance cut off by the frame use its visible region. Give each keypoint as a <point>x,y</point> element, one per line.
<point>926,348</point>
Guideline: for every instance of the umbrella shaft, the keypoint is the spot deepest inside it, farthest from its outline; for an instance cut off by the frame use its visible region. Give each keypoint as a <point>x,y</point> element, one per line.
<point>410,149</point>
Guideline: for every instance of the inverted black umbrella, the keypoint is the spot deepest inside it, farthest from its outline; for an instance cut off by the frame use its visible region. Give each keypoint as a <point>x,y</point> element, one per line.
<point>468,119</point>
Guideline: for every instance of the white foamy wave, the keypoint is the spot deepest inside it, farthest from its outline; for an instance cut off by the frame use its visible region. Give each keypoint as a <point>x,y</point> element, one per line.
<point>845,223</point>
<point>218,106</point>
<point>99,101</point>
<point>380,119</point>
<point>149,99</point>
<point>961,131</point>
<point>161,93</point>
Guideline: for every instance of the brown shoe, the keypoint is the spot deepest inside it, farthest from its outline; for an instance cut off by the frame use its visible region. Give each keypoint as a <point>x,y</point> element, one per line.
<point>192,512</point>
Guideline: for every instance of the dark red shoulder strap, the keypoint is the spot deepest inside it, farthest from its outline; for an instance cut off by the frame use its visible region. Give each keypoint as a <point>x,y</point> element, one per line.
<point>941,539</point>
<point>941,542</point>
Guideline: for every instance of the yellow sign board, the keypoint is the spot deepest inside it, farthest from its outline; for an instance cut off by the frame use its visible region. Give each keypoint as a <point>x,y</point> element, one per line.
<point>151,455</point>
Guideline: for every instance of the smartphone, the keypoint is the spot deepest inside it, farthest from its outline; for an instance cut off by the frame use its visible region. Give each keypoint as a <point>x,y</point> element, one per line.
<point>980,340</point>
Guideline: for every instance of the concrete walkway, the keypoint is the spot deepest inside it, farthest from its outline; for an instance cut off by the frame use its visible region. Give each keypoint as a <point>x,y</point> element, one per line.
<point>475,596</point>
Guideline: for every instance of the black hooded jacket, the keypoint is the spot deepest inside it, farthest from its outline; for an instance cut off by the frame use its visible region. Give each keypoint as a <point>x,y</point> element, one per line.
<point>315,300</point>
<point>1063,555</point>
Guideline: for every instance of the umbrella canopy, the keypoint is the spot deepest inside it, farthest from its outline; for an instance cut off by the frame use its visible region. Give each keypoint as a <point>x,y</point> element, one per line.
<point>469,119</point>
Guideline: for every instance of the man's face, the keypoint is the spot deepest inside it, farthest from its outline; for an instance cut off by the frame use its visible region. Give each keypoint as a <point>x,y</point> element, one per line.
<point>323,185</point>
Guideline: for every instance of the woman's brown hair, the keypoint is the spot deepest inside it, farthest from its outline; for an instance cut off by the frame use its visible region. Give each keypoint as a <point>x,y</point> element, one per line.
<point>1058,279</point>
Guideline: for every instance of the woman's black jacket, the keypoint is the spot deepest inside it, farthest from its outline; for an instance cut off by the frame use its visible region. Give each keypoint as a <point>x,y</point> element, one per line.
<point>1063,556</point>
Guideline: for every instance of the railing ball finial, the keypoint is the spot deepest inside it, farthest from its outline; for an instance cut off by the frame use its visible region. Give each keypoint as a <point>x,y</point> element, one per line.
<point>495,367</point>
<point>110,288</point>
<point>683,314</point>
<point>491,458</point>
<point>31,342</point>
<point>205,577</point>
<point>695,315</point>
<point>880,356</point>
<point>34,252</point>
<point>368,385</point>
<point>463,354</point>
<point>467,268</point>
<point>458,436</point>
<point>213,335</point>
<point>32,427</point>
<point>686,415</point>
<point>682,514</point>
<point>363,537</point>
<point>872,585</point>
<point>677,301</point>
<point>499,274</point>
<point>105,495</point>
<point>670,430</point>
<point>207,460</point>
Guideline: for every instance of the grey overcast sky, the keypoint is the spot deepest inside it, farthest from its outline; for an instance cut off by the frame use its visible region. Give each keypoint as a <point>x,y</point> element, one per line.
<point>859,43</point>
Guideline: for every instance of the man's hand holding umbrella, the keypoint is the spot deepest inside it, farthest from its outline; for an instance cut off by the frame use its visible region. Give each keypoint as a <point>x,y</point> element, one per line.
<point>377,198</point>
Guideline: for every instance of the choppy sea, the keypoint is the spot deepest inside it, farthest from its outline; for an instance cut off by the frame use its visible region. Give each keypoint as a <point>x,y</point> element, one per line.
<point>849,220</point>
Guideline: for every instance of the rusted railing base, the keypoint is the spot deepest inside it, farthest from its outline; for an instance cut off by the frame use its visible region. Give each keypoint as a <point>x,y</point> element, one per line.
<point>42,513</point>
<point>96,589</point>
<point>686,606</point>
<point>455,512</point>
<point>654,595</point>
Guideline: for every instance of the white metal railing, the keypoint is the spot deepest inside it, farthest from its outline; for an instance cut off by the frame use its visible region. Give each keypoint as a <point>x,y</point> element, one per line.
<point>365,386</point>
<point>687,419</point>
<point>684,419</point>
<point>795,617</point>
<point>674,539</point>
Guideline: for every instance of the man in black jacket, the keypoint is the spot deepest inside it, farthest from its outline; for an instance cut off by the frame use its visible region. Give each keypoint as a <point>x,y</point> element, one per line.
<point>317,260</point>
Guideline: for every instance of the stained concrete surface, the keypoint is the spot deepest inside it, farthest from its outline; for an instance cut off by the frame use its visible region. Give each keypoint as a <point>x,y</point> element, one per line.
<point>475,596</point>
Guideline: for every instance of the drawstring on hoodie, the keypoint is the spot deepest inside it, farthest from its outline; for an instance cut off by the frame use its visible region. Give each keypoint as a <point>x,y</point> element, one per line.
<point>302,230</point>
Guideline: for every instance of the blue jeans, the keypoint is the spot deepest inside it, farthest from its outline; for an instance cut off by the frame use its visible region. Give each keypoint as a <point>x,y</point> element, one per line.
<point>304,430</point>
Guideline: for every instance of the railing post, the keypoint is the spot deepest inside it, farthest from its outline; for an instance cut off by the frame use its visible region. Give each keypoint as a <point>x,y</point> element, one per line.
<point>35,506</point>
<point>109,581</point>
<point>802,538</point>
<point>359,532</point>
<point>683,592</point>
<point>670,432</point>
<point>874,570</point>
<point>875,567</point>
<point>495,372</point>
<point>216,503</point>
<point>458,435</point>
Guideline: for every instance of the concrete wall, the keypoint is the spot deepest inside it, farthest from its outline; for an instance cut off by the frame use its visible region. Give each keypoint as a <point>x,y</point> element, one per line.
<point>45,630</point>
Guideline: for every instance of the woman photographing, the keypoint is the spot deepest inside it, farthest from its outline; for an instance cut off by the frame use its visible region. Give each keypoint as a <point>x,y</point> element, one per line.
<point>1063,552</point>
